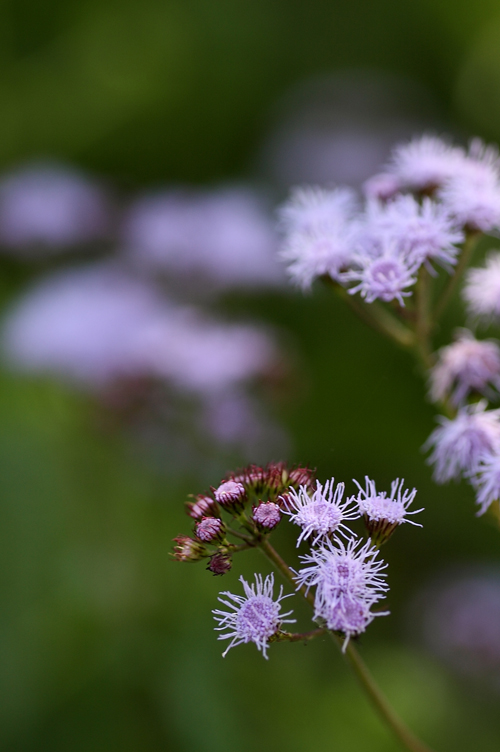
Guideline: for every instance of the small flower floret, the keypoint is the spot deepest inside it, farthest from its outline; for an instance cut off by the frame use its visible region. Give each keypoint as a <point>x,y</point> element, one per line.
<point>254,617</point>
<point>321,513</point>
<point>382,512</point>
<point>210,529</point>
<point>229,492</point>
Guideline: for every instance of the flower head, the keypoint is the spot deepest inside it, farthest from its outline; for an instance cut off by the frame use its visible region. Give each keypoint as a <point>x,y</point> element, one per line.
<point>425,163</point>
<point>467,365</point>
<point>482,288</point>
<point>459,444</point>
<point>472,192</point>
<point>348,580</point>
<point>320,514</point>
<point>382,512</point>
<point>319,233</point>
<point>254,617</point>
<point>219,563</point>
<point>486,480</point>
<point>188,549</point>
<point>385,276</point>
<point>420,231</point>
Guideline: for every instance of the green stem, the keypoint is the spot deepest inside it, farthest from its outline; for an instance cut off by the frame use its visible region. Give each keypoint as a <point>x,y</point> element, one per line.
<point>365,678</point>
<point>375,316</point>
<point>298,636</point>
<point>423,325</point>
<point>470,241</point>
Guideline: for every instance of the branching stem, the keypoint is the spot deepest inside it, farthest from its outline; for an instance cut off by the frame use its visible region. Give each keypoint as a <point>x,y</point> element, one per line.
<point>405,736</point>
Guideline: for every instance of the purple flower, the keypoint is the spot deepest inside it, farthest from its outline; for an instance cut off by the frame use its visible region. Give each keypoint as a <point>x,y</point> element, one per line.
<point>467,365</point>
<point>348,581</point>
<point>384,277</point>
<point>472,192</point>
<point>486,480</point>
<point>253,618</point>
<point>382,187</point>
<point>460,444</point>
<point>420,231</point>
<point>320,514</point>
<point>382,512</point>
<point>425,162</point>
<point>52,206</point>
<point>319,233</point>
<point>482,288</point>
<point>223,235</point>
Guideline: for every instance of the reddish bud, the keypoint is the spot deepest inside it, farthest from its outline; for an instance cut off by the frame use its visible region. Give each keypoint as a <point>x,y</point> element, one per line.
<point>188,549</point>
<point>230,493</point>
<point>220,564</point>
<point>210,529</point>
<point>267,515</point>
<point>203,506</point>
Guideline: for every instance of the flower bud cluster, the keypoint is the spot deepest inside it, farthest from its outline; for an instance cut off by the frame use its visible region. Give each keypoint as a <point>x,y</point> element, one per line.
<point>347,576</point>
<point>253,500</point>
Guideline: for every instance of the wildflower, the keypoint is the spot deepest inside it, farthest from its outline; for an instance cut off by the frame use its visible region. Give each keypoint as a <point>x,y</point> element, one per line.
<point>385,276</point>
<point>210,529</point>
<point>312,209</point>
<point>255,617</point>
<point>219,563</point>
<point>50,206</point>
<point>229,493</point>
<point>188,549</point>
<point>468,365</point>
<point>302,476</point>
<point>486,480</point>
<point>320,514</point>
<point>223,236</point>
<point>267,515</point>
<point>482,288</point>
<point>459,444</point>
<point>319,234</point>
<point>348,580</point>
<point>420,231</point>
<point>382,512</point>
<point>472,192</point>
<point>425,163</point>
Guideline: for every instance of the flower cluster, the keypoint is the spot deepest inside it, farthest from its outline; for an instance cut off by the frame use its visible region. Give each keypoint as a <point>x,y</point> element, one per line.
<point>417,212</point>
<point>347,575</point>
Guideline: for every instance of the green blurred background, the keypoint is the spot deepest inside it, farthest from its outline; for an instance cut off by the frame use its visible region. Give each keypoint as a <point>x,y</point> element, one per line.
<point>104,642</point>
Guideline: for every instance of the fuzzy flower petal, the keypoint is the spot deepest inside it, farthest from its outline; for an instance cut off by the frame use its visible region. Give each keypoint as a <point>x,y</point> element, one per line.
<point>254,617</point>
<point>460,444</point>
<point>322,513</point>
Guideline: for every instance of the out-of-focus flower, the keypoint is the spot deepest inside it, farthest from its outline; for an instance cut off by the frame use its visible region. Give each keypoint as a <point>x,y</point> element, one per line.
<point>461,443</point>
<point>50,206</point>
<point>384,277</point>
<point>381,187</point>
<point>98,324</point>
<point>482,288</point>
<point>254,617</point>
<point>318,233</point>
<point>224,236</point>
<point>420,231</point>
<point>466,365</point>
<point>486,480</point>
<point>348,580</point>
<point>461,622</point>
<point>321,513</point>
<point>425,163</point>
<point>382,512</point>
<point>472,192</point>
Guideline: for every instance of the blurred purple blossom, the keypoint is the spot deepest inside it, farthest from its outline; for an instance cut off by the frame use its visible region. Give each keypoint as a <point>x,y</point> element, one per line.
<point>50,206</point>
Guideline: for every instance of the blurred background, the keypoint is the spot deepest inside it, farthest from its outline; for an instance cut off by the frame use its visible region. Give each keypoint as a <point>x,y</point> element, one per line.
<point>150,343</point>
